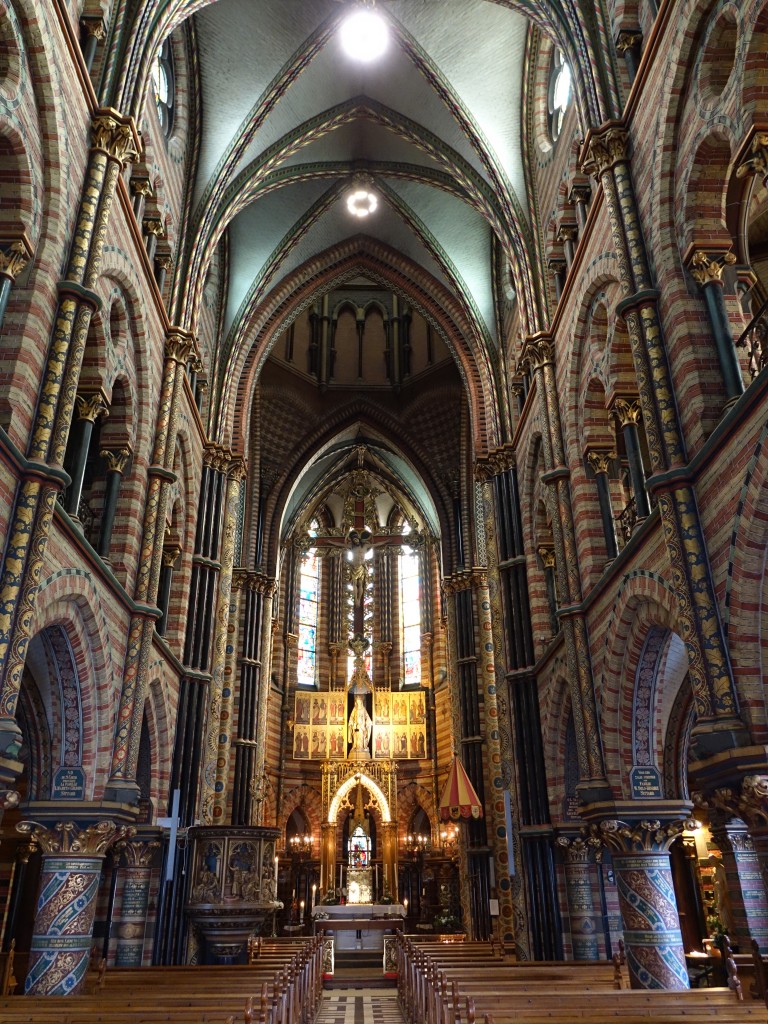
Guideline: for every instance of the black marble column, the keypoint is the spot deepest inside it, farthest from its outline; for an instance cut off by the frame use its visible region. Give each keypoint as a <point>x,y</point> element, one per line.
<point>707,271</point>
<point>601,462</point>
<point>89,408</point>
<point>628,413</point>
<point>116,460</point>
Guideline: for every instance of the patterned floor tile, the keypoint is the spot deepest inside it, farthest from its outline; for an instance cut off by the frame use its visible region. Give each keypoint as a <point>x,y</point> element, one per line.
<point>358,1006</point>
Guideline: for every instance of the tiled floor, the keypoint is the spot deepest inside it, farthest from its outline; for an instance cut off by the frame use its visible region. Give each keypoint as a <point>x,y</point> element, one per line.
<point>359,1006</point>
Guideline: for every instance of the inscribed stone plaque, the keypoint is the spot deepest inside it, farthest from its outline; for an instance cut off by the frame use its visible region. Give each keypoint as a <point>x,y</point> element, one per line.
<point>645,783</point>
<point>68,784</point>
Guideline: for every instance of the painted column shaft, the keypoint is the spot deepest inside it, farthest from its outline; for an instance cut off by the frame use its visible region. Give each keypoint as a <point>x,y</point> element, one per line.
<point>582,911</point>
<point>133,918</point>
<point>746,890</point>
<point>654,944</point>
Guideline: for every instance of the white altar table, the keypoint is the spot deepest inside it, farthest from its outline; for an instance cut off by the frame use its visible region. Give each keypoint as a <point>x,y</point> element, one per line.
<point>358,925</point>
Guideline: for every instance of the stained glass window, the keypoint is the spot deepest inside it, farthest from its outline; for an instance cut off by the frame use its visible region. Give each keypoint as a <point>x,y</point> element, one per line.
<point>309,587</point>
<point>558,94</point>
<point>163,86</point>
<point>410,616</point>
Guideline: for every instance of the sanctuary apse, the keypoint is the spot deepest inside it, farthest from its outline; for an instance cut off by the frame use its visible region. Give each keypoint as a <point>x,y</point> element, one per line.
<point>382,441</point>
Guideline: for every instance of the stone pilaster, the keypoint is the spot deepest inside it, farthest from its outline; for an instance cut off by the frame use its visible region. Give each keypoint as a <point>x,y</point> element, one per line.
<point>135,874</point>
<point>122,784</point>
<point>580,854</point>
<point>114,143</point>
<point>69,881</point>
<point>718,726</point>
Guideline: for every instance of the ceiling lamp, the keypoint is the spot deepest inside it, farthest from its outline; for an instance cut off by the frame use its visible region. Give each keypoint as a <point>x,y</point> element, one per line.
<point>364,33</point>
<point>362,200</point>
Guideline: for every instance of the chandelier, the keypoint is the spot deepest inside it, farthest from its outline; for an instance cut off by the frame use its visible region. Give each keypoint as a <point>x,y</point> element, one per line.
<point>362,200</point>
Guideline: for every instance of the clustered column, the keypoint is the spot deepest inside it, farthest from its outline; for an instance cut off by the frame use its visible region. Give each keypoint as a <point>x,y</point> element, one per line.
<point>114,143</point>
<point>718,725</point>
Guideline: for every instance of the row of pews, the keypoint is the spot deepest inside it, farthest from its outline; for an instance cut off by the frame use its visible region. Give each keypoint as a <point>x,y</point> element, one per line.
<point>282,984</point>
<point>475,983</point>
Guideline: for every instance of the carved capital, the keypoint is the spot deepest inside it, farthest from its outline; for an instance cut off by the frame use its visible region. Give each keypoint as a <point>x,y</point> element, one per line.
<point>600,461</point>
<point>171,554</point>
<point>291,641</point>
<point>465,579</point>
<point>627,411</point>
<point>756,160</point>
<point>556,265</point>
<point>538,351</point>
<point>141,186</point>
<point>629,39</point>
<point>216,457</point>
<point>580,193</point>
<point>91,406</point>
<point>14,255</point>
<point>115,135</point>
<point>579,849</point>
<point>116,458</point>
<point>706,267</point>
<point>68,839</point>
<point>153,226</point>
<point>94,26</point>
<point>547,555</point>
<point>651,836</point>
<point>164,261</point>
<point>567,233</point>
<point>603,148</point>
<point>497,461</point>
<point>179,345</point>
<point>753,801</point>
<point>137,854</point>
<point>237,469</point>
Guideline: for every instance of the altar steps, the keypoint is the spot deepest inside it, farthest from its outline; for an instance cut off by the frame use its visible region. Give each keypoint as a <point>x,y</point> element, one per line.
<point>359,969</point>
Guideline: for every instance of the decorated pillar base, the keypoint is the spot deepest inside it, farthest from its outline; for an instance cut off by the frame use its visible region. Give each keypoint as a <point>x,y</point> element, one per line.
<point>640,849</point>
<point>134,900</point>
<point>579,853</point>
<point>69,881</point>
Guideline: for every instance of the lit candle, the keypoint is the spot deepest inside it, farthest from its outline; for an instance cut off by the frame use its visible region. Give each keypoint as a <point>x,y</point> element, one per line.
<point>405,904</point>
<point>314,891</point>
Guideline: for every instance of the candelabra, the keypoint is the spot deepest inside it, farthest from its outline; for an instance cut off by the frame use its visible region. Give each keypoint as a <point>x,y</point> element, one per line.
<point>416,846</point>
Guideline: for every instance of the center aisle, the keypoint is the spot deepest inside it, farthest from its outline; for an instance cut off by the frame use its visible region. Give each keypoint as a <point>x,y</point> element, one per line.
<point>359,1006</point>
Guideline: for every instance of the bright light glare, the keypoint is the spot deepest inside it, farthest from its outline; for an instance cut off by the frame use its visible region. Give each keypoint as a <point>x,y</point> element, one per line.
<point>364,35</point>
<point>361,202</point>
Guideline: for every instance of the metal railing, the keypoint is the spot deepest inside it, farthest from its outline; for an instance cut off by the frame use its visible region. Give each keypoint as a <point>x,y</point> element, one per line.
<point>754,341</point>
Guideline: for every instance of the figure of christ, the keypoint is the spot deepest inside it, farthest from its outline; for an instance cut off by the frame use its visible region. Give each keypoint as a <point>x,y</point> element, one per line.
<point>359,729</point>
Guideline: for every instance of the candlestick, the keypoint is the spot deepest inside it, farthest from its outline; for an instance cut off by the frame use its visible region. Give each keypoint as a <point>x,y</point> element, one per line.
<point>314,891</point>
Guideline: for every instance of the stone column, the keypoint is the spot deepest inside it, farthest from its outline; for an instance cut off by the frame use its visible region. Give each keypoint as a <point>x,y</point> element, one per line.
<point>69,881</point>
<point>140,190</point>
<point>579,855</point>
<point>706,268</point>
<point>136,875</point>
<point>538,355</point>
<point>115,142</point>
<point>547,556</point>
<point>163,264</point>
<point>628,414</point>
<point>153,230</point>
<point>600,462</point>
<point>579,196</point>
<point>628,43</point>
<point>89,408</point>
<point>389,857</point>
<point>116,460</point>
<point>654,944</point>
<point>95,31</point>
<point>171,554</point>
<point>718,725</point>
<point>568,235</point>
<point>327,858</point>
<point>122,784</point>
<point>556,268</point>
<point>14,256</point>
<point>746,890</point>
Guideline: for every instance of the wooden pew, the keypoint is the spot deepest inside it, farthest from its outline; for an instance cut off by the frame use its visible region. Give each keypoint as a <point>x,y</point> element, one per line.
<point>256,994</point>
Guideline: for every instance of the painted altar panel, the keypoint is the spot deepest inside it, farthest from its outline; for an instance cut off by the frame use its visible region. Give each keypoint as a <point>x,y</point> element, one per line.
<point>399,727</point>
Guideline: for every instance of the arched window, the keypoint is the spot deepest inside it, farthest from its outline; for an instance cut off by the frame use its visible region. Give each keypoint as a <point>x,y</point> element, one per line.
<point>309,592</point>
<point>558,93</point>
<point>410,616</point>
<point>163,86</point>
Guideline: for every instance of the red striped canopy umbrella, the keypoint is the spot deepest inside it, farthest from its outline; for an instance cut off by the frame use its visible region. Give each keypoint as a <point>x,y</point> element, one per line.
<point>459,799</point>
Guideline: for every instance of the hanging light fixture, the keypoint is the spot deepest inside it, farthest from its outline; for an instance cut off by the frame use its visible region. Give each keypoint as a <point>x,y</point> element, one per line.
<point>364,32</point>
<point>361,199</point>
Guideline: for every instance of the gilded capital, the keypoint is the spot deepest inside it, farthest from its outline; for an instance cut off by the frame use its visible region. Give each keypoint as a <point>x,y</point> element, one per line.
<point>153,226</point>
<point>68,839</point>
<point>141,186</point>
<point>706,267</point>
<point>14,256</point>
<point>650,836</point>
<point>171,554</point>
<point>547,555</point>
<point>627,411</point>
<point>164,261</point>
<point>600,461</point>
<point>237,468</point>
<point>115,135</point>
<point>580,193</point>
<point>756,160</point>
<point>497,461</point>
<point>629,39</point>
<point>579,849</point>
<point>91,406</point>
<point>116,458</point>
<point>567,233</point>
<point>94,26</point>
<point>538,351</point>
<point>603,148</point>
<point>137,854</point>
<point>179,345</point>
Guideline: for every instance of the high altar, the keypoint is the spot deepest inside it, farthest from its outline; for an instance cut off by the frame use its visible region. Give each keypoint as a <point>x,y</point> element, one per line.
<point>359,925</point>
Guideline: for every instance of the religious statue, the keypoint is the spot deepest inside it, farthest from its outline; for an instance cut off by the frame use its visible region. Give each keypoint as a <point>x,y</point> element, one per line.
<point>359,729</point>
<point>722,900</point>
<point>359,546</point>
